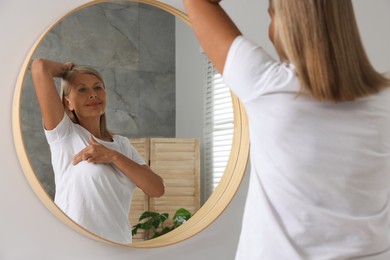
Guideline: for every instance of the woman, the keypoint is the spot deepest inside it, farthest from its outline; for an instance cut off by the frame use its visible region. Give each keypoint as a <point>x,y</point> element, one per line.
<point>95,172</point>
<point>319,128</point>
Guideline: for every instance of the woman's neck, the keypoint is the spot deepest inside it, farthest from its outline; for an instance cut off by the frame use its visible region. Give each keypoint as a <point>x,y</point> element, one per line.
<point>93,126</point>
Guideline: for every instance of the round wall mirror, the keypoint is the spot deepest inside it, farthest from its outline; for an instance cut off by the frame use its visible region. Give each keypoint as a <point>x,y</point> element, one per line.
<point>154,72</point>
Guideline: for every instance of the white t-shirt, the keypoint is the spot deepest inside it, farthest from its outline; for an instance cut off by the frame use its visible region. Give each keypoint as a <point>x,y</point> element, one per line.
<point>96,196</point>
<point>320,172</point>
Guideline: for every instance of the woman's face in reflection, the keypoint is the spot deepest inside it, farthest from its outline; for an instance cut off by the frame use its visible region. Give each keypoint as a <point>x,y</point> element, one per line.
<point>87,97</point>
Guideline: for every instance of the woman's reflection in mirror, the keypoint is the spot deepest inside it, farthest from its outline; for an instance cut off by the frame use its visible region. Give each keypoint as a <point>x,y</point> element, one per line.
<point>319,119</point>
<point>95,171</point>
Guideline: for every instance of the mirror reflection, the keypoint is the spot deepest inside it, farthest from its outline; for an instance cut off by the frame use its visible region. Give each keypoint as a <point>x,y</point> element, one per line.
<point>154,73</point>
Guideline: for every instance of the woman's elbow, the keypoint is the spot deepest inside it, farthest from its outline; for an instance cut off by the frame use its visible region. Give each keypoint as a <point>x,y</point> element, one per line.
<point>37,65</point>
<point>158,190</point>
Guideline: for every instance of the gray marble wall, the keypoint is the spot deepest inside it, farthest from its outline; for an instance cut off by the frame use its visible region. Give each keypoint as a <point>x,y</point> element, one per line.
<point>133,46</point>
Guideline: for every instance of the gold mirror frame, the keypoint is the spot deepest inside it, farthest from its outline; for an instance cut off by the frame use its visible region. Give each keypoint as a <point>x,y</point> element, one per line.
<point>207,214</point>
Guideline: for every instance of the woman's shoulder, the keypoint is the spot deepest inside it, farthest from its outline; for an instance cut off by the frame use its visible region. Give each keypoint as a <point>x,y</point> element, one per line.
<point>123,141</point>
<point>63,129</point>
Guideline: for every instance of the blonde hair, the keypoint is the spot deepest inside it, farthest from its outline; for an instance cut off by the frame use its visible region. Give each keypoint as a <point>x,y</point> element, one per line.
<point>322,40</point>
<point>66,83</point>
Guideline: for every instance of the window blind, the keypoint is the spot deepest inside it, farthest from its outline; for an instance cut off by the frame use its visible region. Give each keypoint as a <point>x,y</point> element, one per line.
<point>219,127</point>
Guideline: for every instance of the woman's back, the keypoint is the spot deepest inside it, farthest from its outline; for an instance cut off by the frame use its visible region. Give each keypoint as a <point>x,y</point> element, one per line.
<point>320,171</point>
<point>334,156</point>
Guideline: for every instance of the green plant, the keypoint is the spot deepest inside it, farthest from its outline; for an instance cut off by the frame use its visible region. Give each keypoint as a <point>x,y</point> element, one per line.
<point>153,222</point>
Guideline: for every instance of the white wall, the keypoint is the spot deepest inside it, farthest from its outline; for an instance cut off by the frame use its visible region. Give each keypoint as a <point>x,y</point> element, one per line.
<point>190,78</point>
<point>29,231</point>
<point>190,85</point>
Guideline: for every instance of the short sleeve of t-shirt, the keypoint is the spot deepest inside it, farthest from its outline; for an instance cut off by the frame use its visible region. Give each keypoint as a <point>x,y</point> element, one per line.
<point>251,72</point>
<point>130,151</point>
<point>62,130</point>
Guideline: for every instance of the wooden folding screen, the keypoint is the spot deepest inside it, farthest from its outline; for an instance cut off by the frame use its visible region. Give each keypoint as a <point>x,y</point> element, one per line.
<point>177,161</point>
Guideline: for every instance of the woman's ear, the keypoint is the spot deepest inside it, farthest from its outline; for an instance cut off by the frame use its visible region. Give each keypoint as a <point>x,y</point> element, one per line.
<point>67,104</point>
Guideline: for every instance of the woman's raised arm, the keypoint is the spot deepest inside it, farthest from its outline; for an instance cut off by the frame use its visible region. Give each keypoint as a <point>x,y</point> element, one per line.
<point>43,72</point>
<point>213,28</point>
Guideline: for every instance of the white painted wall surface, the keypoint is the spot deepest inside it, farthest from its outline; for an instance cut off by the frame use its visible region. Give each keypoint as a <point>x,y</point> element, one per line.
<point>29,231</point>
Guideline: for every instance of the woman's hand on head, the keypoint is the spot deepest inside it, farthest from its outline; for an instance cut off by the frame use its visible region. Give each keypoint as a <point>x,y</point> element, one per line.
<point>95,153</point>
<point>63,68</point>
<point>68,66</point>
